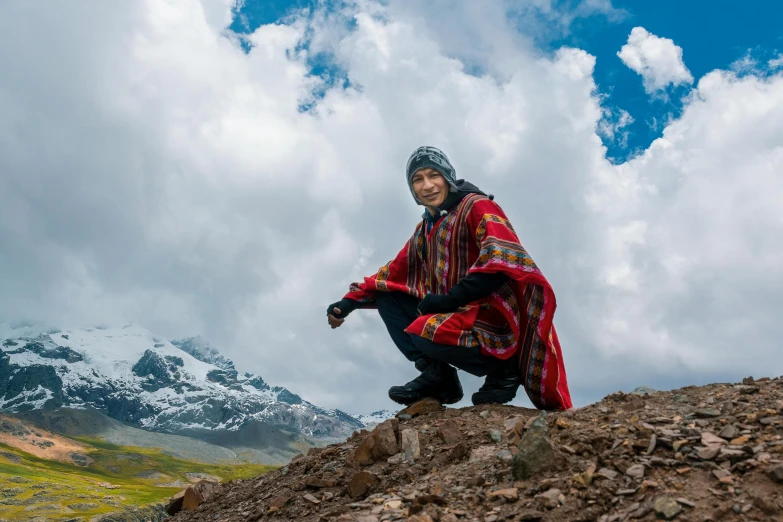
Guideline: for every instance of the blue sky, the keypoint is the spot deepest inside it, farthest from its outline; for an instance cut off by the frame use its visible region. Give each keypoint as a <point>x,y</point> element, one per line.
<point>712,35</point>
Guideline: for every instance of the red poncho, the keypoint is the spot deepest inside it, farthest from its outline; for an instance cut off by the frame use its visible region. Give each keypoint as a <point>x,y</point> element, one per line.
<point>515,320</point>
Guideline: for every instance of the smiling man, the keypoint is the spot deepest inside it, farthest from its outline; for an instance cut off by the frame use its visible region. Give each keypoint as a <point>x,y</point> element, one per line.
<point>464,294</point>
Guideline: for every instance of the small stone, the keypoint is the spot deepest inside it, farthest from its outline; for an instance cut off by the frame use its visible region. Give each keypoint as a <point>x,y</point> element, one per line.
<point>666,507</point>
<point>708,453</point>
<point>551,498</point>
<point>428,405</point>
<point>707,413</point>
<point>308,497</point>
<point>410,444</point>
<point>677,444</point>
<point>280,500</point>
<point>562,423</point>
<point>506,457</point>
<point>608,473</point>
<point>776,474</point>
<point>392,504</point>
<point>710,439</point>
<point>729,432</point>
<point>197,494</point>
<point>315,482</point>
<point>495,435</point>
<point>449,432</point>
<point>404,416</point>
<point>685,502</point>
<point>635,471</point>
<point>535,451</point>
<point>361,483</point>
<point>642,390</point>
<point>484,414</point>
<point>739,441</point>
<point>765,507</point>
<point>531,516</point>
<point>508,493</point>
<point>769,421</point>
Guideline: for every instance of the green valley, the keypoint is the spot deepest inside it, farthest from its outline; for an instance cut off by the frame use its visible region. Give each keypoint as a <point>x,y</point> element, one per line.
<point>111,478</point>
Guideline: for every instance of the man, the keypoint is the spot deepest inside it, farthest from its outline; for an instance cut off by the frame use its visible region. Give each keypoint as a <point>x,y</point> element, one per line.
<point>463,293</point>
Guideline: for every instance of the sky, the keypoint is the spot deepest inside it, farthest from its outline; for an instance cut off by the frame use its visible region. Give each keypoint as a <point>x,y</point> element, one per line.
<point>202,167</point>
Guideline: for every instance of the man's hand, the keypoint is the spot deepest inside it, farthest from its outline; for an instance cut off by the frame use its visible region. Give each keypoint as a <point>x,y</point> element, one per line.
<point>437,304</point>
<point>337,312</point>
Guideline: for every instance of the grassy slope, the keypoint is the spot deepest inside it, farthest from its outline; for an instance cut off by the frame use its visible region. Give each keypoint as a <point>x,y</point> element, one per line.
<point>36,487</point>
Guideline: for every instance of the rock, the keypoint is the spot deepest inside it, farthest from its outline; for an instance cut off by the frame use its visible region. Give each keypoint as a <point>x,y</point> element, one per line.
<point>729,432</point>
<point>410,444</point>
<point>495,435</point>
<point>386,439</point>
<point>316,482</point>
<point>739,441</point>
<point>363,455</point>
<point>174,505</point>
<point>643,390</point>
<point>708,453</point>
<point>484,414</point>
<point>551,498</point>
<point>607,473</point>
<point>506,457</point>
<point>685,502</point>
<point>635,471</point>
<point>666,507</point>
<point>449,432</point>
<point>765,506</point>
<point>535,451</point>
<point>531,516</point>
<point>776,474</point>
<point>361,483</point>
<point>710,439</point>
<point>280,500</point>
<point>508,493</point>
<point>428,405</point>
<point>707,413</point>
<point>380,443</point>
<point>197,494</point>
<point>308,497</point>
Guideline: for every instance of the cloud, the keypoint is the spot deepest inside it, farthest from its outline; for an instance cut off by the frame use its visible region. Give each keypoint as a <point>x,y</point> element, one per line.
<point>152,171</point>
<point>658,60</point>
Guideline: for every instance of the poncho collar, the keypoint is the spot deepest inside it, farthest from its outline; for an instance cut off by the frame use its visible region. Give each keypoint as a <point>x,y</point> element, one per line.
<point>463,188</point>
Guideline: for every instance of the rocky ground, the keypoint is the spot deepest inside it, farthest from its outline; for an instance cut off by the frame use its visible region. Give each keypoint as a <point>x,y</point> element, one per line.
<point>694,454</point>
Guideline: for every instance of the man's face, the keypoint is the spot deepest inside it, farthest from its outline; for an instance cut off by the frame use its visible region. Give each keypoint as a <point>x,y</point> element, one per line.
<point>430,187</point>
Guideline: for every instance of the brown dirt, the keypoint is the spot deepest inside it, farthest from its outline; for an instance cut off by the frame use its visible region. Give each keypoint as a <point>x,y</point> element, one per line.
<point>710,453</point>
<point>41,443</point>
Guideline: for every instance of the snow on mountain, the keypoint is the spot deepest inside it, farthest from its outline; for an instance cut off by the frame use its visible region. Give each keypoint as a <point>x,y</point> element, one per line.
<point>149,382</point>
<point>375,417</point>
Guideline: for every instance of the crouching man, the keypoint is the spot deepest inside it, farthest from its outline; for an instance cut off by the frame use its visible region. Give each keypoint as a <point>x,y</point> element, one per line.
<point>464,294</point>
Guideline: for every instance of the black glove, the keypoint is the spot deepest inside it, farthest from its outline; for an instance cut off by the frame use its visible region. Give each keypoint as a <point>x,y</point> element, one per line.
<point>437,304</point>
<point>346,306</point>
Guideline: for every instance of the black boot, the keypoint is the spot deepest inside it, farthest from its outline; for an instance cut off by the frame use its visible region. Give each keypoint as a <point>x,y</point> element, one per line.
<point>437,380</point>
<point>500,386</point>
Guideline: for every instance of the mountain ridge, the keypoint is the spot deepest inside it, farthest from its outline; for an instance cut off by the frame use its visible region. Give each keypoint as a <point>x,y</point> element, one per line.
<point>181,387</point>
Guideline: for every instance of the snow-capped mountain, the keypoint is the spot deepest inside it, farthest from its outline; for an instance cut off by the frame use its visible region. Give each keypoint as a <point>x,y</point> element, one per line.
<point>375,417</point>
<point>128,374</point>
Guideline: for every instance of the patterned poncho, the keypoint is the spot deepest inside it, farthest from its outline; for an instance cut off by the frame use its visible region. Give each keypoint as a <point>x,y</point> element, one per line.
<point>513,321</point>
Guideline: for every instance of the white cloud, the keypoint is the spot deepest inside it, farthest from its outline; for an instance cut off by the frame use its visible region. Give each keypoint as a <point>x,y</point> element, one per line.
<point>152,171</point>
<point>658,60</point>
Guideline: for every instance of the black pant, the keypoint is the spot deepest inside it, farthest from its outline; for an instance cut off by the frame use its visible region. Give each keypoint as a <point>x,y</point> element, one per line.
<point>398,311</point>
